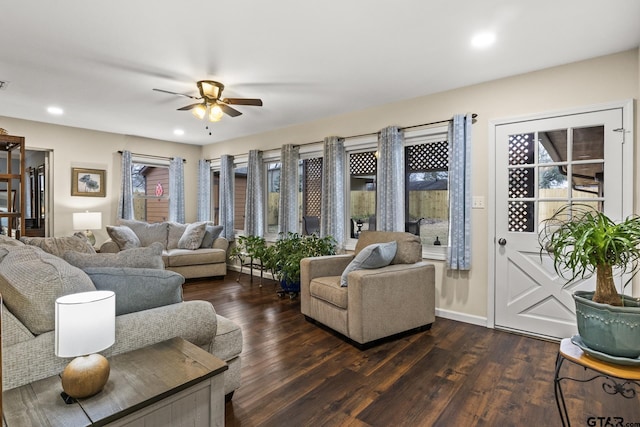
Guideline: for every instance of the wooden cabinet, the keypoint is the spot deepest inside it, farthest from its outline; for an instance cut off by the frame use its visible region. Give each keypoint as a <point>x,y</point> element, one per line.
<point>12,194</point>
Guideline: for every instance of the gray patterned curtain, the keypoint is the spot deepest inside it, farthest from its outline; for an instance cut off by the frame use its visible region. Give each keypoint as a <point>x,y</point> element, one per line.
<point>204,190</point>
<point>125,206</point>
<point>390,180</point>
<point>176,190</point>
<point>289,179</point>
<point>459,137</point>
<point>332,221</point>
<point>254,204</point>
<point>227,192</point>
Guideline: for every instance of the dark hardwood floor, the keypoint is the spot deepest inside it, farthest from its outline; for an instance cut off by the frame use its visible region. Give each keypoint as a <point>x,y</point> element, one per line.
<point>295,373</point>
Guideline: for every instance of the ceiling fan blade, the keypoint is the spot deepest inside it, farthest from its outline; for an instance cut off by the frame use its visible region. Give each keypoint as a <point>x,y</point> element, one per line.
<point>176,93</point>
<point>189,107</point>
<point>243,101</point>
<point>228,110</point>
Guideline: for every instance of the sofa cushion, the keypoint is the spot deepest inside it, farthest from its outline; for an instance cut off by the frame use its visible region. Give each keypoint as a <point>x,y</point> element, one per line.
<point>149,257</point>
<point>185,257</point>
<point>211,233</point>
<point>176,230</point>
<point>124,237</point>
<point>373,256</point>
<point>192,236</point>
<point>146,232</point>
<point>30,282</point>
<point>328,289</point>
<point>59,245</point>
<point>138,289</point>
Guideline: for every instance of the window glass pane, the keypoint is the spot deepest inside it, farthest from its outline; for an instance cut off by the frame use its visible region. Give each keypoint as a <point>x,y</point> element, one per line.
<point>240,183</point>
<point>427,192</point>
<point>150,192</point>
<point>362,194</point>
<point>273,196</point>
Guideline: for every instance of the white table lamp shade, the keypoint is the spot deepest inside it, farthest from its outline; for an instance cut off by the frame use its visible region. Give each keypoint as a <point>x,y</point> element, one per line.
<point>85,323</point>
<point>87,220</point>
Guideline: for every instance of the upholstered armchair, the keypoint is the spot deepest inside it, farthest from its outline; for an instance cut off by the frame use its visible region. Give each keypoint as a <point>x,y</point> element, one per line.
<point>376,302</point>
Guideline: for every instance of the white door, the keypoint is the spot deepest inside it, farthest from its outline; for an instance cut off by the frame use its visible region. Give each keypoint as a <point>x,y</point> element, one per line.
<point>541,165</point>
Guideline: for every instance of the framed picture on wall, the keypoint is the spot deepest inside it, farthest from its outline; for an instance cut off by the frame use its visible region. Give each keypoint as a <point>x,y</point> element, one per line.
<point>88,182</point>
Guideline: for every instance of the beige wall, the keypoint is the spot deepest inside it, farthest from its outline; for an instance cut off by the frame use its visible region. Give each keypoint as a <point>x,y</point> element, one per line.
<point>73,147</point>
<point>605,79</point>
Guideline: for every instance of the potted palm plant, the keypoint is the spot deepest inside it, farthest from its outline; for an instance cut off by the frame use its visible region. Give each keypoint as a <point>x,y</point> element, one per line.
<point>283,257</point>
<point>583,241</point>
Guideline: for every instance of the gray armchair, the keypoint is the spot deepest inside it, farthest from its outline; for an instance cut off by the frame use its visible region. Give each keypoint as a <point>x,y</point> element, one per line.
<point>377,303</point>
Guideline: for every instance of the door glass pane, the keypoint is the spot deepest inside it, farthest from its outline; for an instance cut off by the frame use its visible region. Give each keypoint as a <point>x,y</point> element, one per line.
<point>521,216</point>
<point>547,209</point>
<point>588,143</point>
<point>552,146</point>
<point>588,180</point>
<point>521,149</point>
<point>553,182</point>
<point>521,183</point>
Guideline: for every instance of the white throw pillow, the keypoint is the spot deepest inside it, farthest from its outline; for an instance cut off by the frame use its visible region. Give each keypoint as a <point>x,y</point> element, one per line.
<point>372,256</point>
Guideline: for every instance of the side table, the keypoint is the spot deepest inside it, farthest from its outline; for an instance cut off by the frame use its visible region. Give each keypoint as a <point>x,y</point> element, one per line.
<point>166,384</point>
<point>618,379</point>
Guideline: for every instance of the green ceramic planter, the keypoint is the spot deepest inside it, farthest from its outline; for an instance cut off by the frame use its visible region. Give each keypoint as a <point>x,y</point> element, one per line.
<point>609,329</point>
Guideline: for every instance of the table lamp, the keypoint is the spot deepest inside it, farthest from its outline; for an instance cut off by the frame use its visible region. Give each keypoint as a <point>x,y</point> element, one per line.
<point>88,221</point>
<point>85,324</point>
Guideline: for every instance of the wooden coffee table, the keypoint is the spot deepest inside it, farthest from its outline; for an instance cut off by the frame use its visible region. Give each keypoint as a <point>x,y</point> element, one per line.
<point>166,384</point>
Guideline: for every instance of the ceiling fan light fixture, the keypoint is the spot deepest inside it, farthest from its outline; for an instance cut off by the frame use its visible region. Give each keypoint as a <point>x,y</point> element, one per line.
<point>199,111</point>
<point>215,113</point>
<point>210,89</point>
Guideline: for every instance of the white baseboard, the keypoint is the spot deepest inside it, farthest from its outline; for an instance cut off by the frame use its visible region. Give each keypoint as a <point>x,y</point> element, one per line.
<point>461,317</point>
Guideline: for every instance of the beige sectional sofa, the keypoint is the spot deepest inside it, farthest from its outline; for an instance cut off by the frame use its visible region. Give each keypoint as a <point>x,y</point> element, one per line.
<point>193,250</point>
<point>149,306</point>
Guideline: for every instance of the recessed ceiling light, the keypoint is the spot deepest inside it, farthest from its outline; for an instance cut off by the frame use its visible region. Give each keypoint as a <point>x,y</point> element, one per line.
<point>56,111</point>
<point>483,40</point>
<point>178,132</point>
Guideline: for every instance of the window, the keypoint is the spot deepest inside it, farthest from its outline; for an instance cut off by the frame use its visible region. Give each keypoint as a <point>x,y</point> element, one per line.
<point>150,192</point>
<point>427,190</point>
<point>311,187</point>
<point>240,184</point>
<point>362,192</point>
<point>273,196</point>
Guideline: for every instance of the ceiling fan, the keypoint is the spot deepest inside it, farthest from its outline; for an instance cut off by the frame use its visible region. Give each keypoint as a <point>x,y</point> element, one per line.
<point>212,105</point>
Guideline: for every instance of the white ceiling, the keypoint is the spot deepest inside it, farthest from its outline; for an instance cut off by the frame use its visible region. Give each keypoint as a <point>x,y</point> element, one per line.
<point>306,60</point>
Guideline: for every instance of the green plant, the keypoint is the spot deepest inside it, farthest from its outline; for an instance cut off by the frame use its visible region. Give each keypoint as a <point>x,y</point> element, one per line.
<point>583,240</point>
<point>249,246</point>
<point>283,257</point>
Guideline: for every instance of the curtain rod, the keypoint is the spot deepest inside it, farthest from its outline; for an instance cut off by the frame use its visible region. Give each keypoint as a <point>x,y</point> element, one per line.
<point>151,156</point>
<point>473,118</point>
